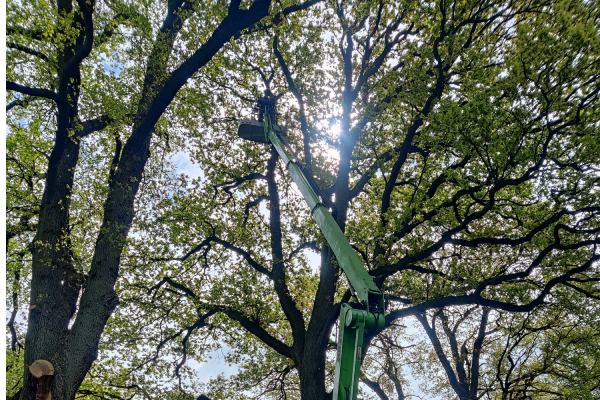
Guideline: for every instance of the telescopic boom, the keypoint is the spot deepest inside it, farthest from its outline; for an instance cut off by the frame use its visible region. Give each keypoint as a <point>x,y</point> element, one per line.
<point>354,322</point>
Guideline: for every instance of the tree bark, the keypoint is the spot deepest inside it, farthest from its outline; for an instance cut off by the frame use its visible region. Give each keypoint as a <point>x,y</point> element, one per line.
<point>323,317</point>
<point>55,283</point>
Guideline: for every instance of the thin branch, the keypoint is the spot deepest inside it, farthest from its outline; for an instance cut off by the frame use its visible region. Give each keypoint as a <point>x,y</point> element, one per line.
<point>252,204</point>
<point>226,244</point>
<point>28,50</point>
<point>93,125</point>
<point>304,126</point>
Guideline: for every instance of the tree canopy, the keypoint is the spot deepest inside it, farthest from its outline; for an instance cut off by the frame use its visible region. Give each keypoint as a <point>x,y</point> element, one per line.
<point>456,143</point>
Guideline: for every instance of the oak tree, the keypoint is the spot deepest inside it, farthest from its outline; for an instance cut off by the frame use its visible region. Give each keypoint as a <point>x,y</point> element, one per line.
<point>57,55</point>
<point>455,142</point>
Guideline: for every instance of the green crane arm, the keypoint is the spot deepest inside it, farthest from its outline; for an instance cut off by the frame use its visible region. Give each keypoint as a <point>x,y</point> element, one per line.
<point>353,322</point>
<point>361,283</point>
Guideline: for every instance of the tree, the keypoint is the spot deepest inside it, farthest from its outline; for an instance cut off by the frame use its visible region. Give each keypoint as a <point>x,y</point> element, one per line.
<point>462,368</point>
<point>464,177</point>
<point>56,63</point>
<point>464,173</point>
<point>474,353</point>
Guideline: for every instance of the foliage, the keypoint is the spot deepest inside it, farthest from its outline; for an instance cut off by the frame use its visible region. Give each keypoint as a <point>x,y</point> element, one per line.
<point>455,142</point>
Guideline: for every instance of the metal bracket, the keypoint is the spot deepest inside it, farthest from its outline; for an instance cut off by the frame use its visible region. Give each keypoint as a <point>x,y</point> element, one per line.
<point>353,324</point>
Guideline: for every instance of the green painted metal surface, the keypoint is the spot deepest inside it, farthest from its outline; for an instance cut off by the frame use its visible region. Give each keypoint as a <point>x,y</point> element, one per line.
<point>353,324</point>
<point>361,283</point>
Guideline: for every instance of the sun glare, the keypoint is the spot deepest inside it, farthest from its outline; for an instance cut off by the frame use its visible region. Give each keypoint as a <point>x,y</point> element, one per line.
<point>334,129</point>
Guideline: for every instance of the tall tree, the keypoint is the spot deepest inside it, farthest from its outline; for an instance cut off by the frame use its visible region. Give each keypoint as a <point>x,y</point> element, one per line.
<point>457,152</point>
<point>56,62</point>
<point>463,173</point>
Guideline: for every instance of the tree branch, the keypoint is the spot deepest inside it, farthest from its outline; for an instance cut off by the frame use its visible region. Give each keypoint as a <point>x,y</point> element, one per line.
<point>439,351</point>
<point>304,126</point>
<point>86,8</point>
<point>375,387</point>
<point>28,50</point>
<point>30,91</point>
<point>254,328</point>
<point>476,298</point>
<point>288,304</point>
<point>477,345</point>
<point>206,243</point>
<point>251,325</point>
<point>93,125</point>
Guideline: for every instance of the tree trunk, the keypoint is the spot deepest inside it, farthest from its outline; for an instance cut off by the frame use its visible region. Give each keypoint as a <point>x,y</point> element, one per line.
<point>55,283</point>
<point>323,317</point>
<point>312,375</point>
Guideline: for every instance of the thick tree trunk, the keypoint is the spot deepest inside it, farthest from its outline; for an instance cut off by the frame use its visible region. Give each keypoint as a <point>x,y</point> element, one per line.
<point>323,317</point>
<point>312,377</point>
<point>55,284</point>
<point>312,368</point>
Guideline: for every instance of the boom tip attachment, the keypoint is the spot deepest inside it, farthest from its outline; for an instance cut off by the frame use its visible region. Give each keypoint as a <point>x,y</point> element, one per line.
<point>253,131</point>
